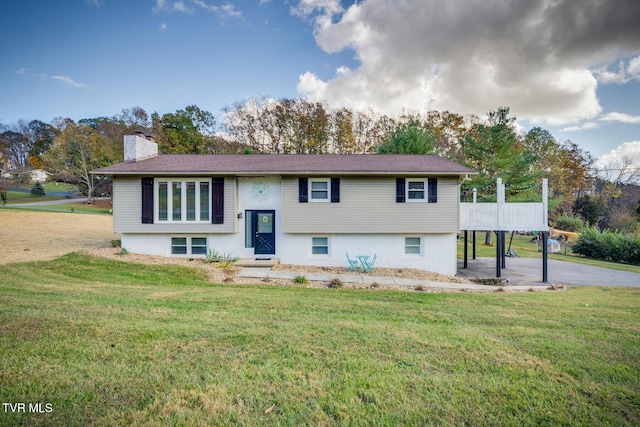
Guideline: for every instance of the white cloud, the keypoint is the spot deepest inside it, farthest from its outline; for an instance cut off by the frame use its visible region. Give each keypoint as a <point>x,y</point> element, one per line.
<point>620,117</point>
<point>634,67</point>
<point>586,126</point>
<point>626,71</point>
<point>171,6</point>
<point>163,26</point>
<point>230,10</point>
<point>306,8</point>
<point>191,6</point>
<point>68,80</point>
<point>626,155</point>
<point>471,56</point>
<point>64,79</point>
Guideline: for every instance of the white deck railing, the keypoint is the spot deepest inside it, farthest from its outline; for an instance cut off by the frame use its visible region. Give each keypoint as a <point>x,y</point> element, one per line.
<point>506,216</point>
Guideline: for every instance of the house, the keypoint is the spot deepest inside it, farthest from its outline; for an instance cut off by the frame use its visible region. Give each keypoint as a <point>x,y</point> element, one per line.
<point>302,209</point>
<point>34,175</point>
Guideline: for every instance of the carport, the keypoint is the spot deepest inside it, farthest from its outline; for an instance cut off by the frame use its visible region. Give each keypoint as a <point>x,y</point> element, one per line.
<point>501,217</point>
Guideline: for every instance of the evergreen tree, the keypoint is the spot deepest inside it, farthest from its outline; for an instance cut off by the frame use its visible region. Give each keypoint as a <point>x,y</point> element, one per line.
<point>37,189</point>
<point>495,151</point>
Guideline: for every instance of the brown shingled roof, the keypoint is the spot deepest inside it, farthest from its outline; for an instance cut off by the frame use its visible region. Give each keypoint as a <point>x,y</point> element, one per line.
<point>288,164</point>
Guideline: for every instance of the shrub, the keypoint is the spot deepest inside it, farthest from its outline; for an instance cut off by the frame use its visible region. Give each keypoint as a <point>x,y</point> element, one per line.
<point>37,189</point>
<point>609,246</point>
<point>116,243</point>
<point>226,258</point>
<point>335,283</point>
<point>569,223</point>
<point>123,251</point>
<point>300,279</point>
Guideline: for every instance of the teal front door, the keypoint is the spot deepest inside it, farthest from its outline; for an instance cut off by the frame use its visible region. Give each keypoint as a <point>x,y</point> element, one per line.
<point>265,229</point>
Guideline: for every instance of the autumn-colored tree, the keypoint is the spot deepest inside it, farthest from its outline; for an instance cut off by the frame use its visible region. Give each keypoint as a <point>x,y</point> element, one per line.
<point>564,164</point>
<point>76,152</point>
<point>342,135</point>
<point>449,129</point>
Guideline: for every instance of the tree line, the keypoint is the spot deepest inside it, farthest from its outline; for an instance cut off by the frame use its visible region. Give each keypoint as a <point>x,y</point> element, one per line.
<point>491,145</point>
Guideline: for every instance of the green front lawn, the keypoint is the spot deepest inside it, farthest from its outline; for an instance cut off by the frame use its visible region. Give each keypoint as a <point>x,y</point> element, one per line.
<point>109,343</point>
<point>70,208</point>
<point>15,197</point>
<point>58,186</point>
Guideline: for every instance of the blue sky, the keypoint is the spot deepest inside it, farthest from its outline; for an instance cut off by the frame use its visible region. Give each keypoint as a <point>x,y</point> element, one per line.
<point>572,67</point>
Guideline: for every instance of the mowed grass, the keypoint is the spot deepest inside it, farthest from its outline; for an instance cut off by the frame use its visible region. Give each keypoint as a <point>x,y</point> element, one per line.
<point>109,343</point>
<point>69,208</point>
<point>14,197</point>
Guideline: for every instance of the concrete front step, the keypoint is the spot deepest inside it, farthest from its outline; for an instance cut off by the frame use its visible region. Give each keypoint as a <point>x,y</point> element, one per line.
<point>258,262</point>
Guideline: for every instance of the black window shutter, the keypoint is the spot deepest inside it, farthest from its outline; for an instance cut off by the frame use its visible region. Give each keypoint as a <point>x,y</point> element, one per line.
<point>433,190</point>
<point>335,190</point>
<point>303,190</point>
<point>400,190</point>
<point>217,201</point>
<point>147,200</point>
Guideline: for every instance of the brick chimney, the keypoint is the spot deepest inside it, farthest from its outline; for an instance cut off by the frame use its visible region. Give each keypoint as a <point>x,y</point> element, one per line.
<point>138,147</point>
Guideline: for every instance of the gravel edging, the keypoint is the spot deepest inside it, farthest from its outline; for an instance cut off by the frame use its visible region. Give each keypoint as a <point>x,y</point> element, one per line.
<point>227,275</point>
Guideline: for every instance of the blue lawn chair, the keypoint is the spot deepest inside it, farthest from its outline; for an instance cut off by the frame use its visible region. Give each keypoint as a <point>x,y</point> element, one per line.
<point>353,265</point>
<point>369,264</point>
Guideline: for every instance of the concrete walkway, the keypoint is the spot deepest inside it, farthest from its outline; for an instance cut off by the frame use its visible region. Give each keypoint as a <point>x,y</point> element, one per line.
<point>528,271</point>
<point>261,273</point>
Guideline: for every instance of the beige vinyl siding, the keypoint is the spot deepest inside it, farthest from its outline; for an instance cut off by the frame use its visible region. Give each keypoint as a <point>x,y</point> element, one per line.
<point>127,211</point>
<point>368,205</point>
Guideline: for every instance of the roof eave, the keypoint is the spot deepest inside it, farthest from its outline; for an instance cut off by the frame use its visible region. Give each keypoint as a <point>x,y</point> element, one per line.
<point>284,173</point>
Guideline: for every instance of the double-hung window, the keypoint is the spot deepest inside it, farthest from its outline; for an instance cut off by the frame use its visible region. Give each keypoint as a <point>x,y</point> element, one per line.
<point>423,190</point>
<point>183,200</point>
<point>415,190</point>
<point>319,190</point>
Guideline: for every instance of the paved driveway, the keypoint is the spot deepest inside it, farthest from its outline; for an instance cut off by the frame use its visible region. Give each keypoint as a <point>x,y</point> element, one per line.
<point>528,271</point>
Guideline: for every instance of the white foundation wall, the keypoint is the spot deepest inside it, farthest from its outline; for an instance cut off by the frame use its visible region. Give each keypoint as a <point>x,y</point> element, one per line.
<point>438,251</point>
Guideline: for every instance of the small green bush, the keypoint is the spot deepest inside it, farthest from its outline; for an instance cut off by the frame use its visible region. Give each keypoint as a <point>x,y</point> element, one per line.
<point>569,223</point>
<point>116,243</point>
<point>608,246</point>
<point>214,256</point>
<point>300,279</point>
<point>123,251</point>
